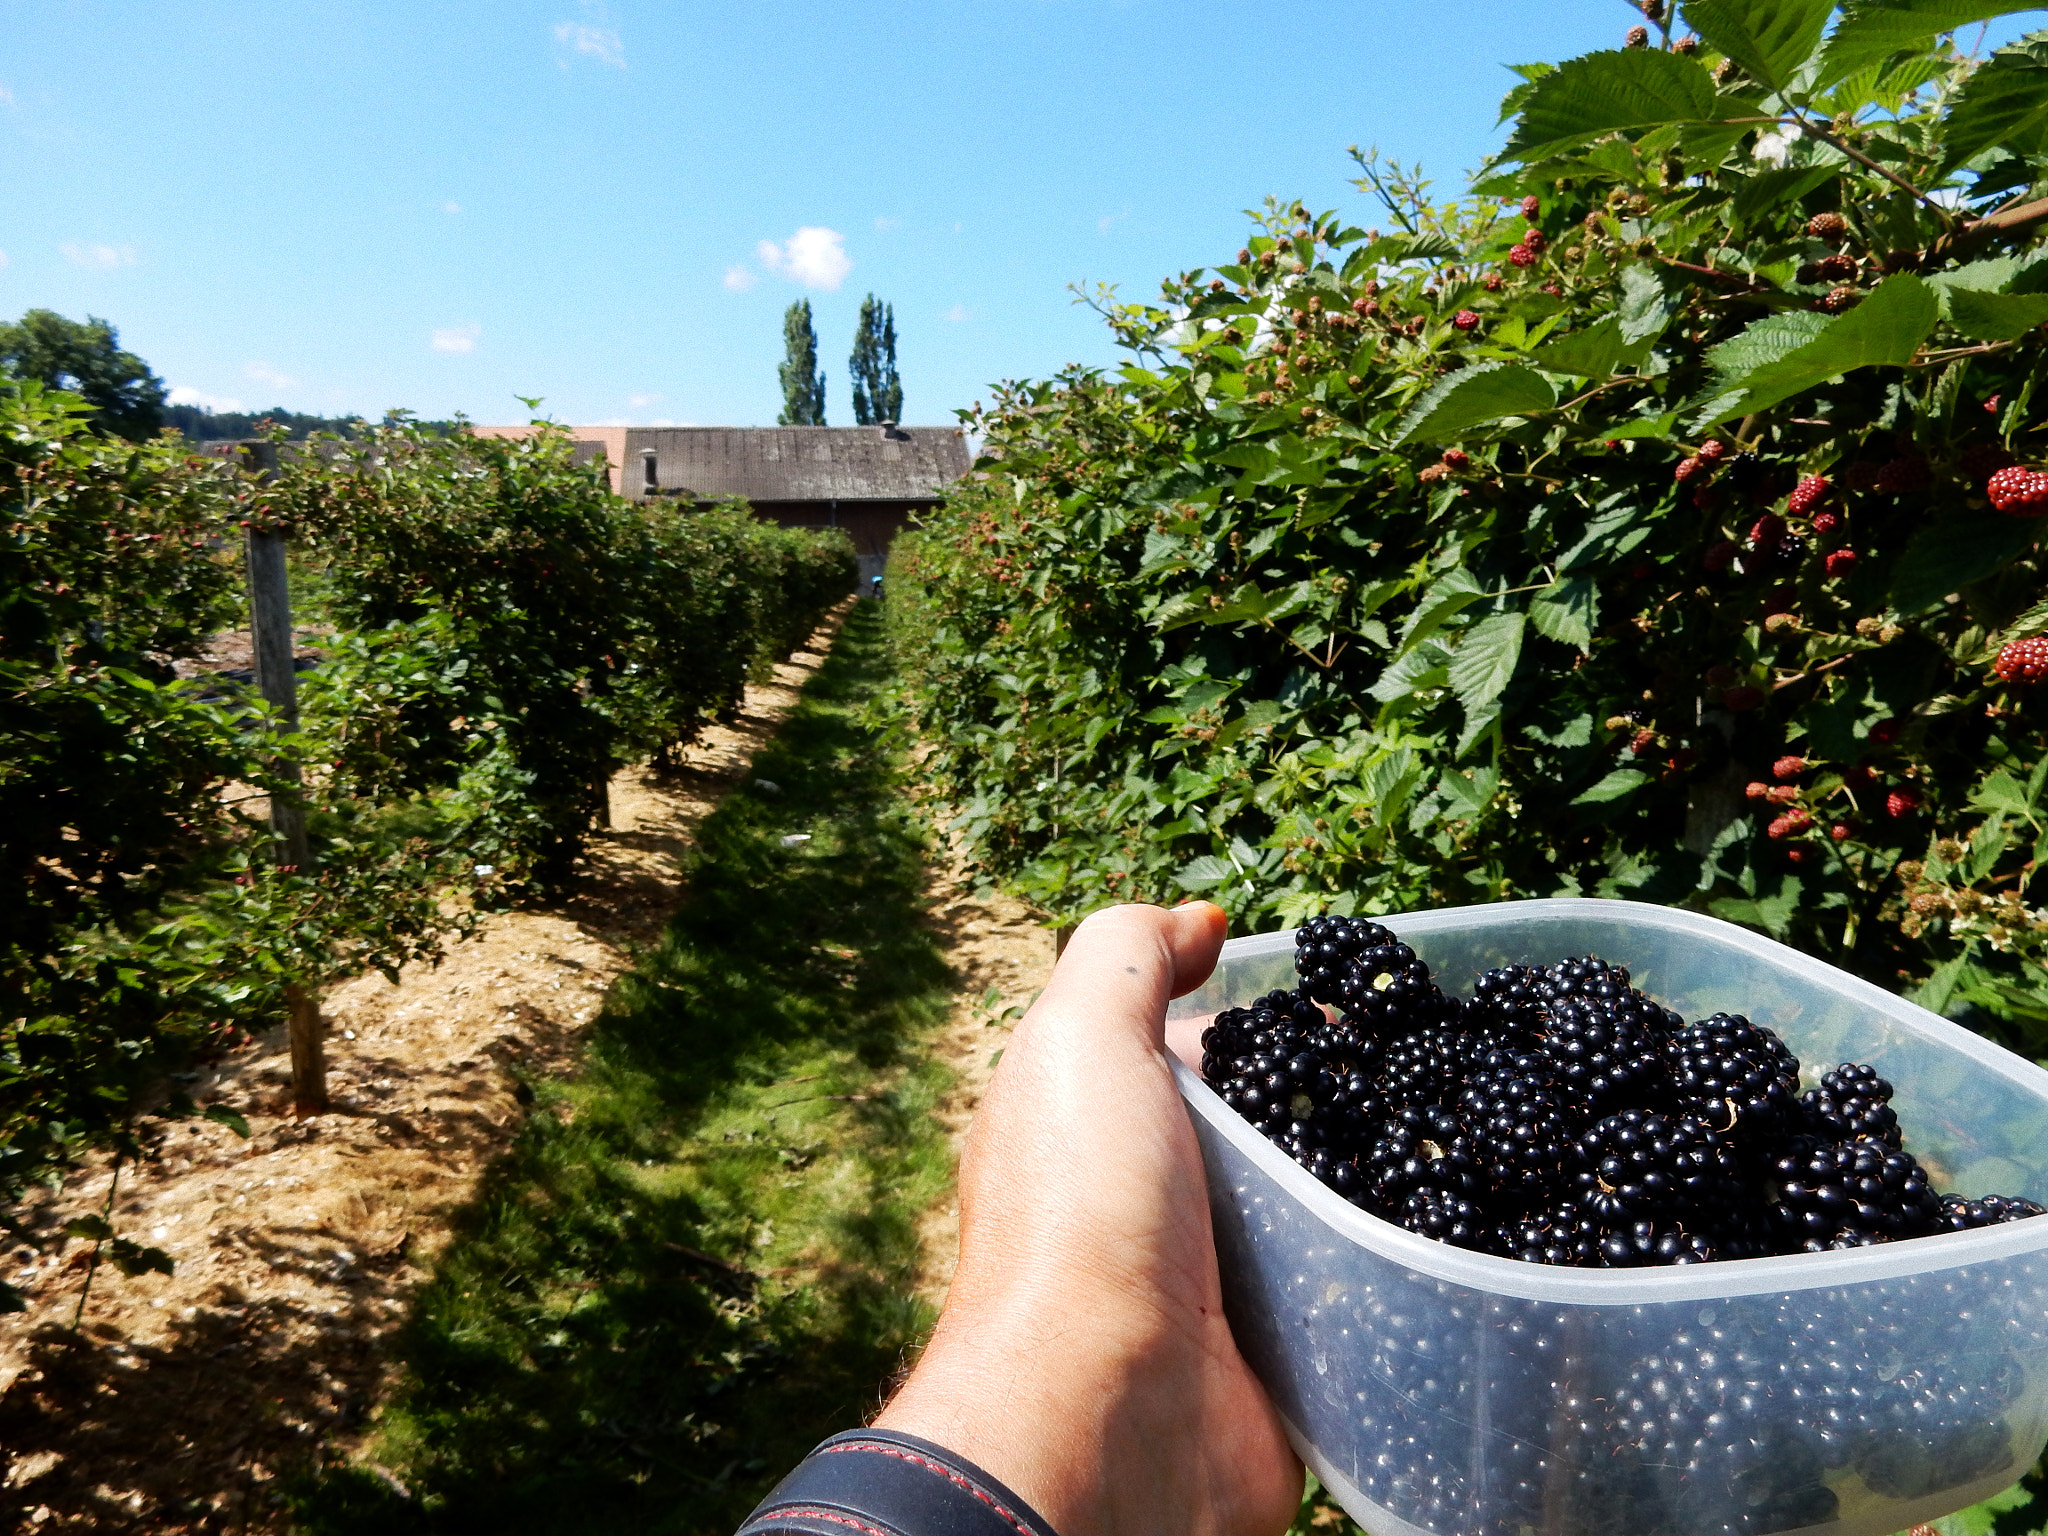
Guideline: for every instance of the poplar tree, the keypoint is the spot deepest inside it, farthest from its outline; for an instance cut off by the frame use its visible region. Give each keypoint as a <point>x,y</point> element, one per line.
<point>803,381</point>
<point>877,390</point>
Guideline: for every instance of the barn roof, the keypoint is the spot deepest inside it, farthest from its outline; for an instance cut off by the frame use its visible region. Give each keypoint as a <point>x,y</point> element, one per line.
<point>799,463</point>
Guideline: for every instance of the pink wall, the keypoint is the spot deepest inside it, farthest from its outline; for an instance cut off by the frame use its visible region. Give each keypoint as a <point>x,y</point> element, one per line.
<point>613,438</point>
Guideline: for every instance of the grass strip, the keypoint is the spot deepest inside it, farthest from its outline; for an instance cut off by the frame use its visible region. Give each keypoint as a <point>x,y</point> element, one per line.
<point>697,1259</point>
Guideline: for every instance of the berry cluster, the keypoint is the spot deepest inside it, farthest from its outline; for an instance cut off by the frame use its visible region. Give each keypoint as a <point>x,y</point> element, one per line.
<point>2019,492</point>
<point>2022,661</point>
<point>1562,1116</point>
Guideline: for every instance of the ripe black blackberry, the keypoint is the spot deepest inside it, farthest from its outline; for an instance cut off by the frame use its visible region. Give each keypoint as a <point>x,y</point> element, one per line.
<point>1581,976</point>
<point>1428,1065</point>
<point>1738,1077</point>
<point>1389,990</point>
<point>1325,947</point>
<point>1608,1052</point>
<point>1422,1147</point>
<point>1448,1218</point>
<point>1959,1214</point>
<point>1851,1101</point>
<point>1557,1234</point>
<point>1642,1165</point>
<point>1509,998</point>
<point>1525,1135</point>
<point>1848,1196</point>
<point>1647,1241</point>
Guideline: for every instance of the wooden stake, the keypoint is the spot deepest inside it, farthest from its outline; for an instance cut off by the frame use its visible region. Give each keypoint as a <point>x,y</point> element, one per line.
<point>277,679</point>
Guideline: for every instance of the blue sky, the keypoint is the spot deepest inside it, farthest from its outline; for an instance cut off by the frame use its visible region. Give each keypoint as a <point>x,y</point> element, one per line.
<point>360,204</point>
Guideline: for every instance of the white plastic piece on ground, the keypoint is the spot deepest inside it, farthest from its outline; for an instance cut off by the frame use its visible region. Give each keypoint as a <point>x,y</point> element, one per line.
<point>1432,1389</point>
<point>796,839</point>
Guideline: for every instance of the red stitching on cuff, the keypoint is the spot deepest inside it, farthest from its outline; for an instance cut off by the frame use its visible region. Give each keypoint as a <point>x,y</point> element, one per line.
<point>903,1454</point>
<point>812,1512</point>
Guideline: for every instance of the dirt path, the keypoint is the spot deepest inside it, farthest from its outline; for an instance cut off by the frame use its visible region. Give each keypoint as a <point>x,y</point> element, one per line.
<point>182,1397</point>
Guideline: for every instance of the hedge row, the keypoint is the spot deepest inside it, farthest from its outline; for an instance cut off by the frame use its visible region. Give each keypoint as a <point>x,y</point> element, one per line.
<point>1627,527</point>
<point>506,634</point>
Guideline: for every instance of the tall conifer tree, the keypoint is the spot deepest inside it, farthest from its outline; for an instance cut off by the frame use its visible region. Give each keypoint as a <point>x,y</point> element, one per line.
<point>877,390</point>
<point>803,381</point>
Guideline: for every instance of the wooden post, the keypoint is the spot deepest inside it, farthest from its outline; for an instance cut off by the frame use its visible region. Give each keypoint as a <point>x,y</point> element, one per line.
<point>277,679</point>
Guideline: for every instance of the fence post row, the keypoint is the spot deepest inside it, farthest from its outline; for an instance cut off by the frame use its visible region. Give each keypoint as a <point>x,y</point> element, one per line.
<point>270,635</point>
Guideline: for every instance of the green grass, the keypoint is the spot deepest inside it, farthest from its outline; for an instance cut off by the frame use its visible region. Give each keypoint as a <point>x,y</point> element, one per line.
<point>755,1092</point>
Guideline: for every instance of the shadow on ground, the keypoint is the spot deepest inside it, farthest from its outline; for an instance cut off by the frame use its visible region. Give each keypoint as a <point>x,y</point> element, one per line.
<point>699,1258</point>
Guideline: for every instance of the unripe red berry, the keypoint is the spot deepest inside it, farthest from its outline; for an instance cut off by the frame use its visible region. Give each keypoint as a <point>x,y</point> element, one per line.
<point>1840,831</point>
<point>2023,661</point>
<point>1743,698</point>
<point>1494,282</point>
<point>1800,853</point>
<point>1901,803</point>
<point>1766,531</point>
<point>1903,476</point>
<point>1522,256</point>
<point>1457,458</point>
<point>1827,226</point>
<point>1885,732</point>
<point>1466,320</point>
<point>2019,492</point>
<point>1782,794</point>
<point>1687,468</point>
<point>1720,556</point>
<point>1788,767</point>
<point>1642,742</point>
<point>1637,37</point>
<point>1532,208</point>
<point>1826,521</point>
<point>1534,240</point>
<point>1757,789</point>
<point>1807,495</point>
<point>1790,823</point>
<point>1360,306</point>
<point>1713,450</point>
<point>1840,562</point>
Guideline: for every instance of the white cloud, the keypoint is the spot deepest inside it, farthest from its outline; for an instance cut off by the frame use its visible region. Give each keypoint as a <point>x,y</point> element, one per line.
<point>956,314</point>
<point>1108,221</point>
<point>456,338</point>
<point>101,256</point>
<point>590,38</point>
<point>185,395</point>
<point>883,221</point>
<point>814,256</point>
<point>636,401</point>
<point>739,279</point>
<point>451,206</point>
<point>263,373</point>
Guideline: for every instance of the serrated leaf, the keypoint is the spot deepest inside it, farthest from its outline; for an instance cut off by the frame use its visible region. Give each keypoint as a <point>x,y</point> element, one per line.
<point>1206,873</point>
<point>1447,596</point>
<point>1770,39</point>
<point>1613,787</point>
<point>1420,668</point>
<point>1886,328</point>
<point>1646,306</point>
<point>2003,105</point>
<point>1870,33</point>
<point>1474,397</point>
<point>1995,316</point>
<point>2027,626</point>
<point>1945,556</point>
<point>1594,353</point>
<point>1567,612</point>
<point>1611,91</point>
<point>1934,993</point>
<point>220,1114</point>
<point>1767,190</point>
<point>1485,660</point>
<point>2000,791</point>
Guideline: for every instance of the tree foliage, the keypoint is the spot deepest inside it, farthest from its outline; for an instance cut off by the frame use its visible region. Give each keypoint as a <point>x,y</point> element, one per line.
<point>803,381</point>
<point>1459,559</point>
<point>877,387</point>
<point>85,357</point>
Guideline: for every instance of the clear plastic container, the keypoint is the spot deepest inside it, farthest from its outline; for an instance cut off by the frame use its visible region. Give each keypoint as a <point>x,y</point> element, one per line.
<point>1438,1390</point>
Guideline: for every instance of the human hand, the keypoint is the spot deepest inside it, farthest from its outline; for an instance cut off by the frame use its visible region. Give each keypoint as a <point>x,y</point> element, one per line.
<point>1083,1357</point>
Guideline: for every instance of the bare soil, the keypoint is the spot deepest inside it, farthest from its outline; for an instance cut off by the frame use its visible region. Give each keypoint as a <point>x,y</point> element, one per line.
<point>179,1398</point>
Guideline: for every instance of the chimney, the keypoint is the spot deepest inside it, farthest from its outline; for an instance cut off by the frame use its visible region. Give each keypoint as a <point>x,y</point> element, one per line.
<point>889,430</point>
<point>649,482</point>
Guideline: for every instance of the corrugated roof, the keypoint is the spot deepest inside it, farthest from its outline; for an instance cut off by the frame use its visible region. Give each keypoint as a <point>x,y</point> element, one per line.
<point>799,463</point>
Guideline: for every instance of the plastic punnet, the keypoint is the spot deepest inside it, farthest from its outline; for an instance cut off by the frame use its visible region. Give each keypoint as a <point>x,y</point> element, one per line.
<point>1438,1390</point>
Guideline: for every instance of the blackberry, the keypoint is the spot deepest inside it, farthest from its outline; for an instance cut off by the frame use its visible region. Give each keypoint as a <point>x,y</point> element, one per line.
<point>1851,1101</point>
<point>1959,1214</point>
<point>1422,1147</point>
<point>1581,976</point>
<point>1735,1074</point>
<point>1642,1165</point>
<point>1647,1241</point>
<point>1608,1051</point>
<point>1325,947</point>
<point>1388,989</point>
<point>1848,1196</point>
<point>1448,1218</point>
<point>1428,1066</point>
<point>1509,998</point>
<point>1559,1234</point>
<point>1522,1125</point>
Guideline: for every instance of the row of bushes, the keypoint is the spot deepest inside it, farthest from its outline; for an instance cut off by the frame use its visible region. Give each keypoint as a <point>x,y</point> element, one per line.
<point>505,634</point>
<point>1621,528</point>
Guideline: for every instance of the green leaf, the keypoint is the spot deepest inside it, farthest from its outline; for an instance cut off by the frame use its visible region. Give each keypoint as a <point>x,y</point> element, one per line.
<point>1871,32</point>
<point>2000,791</point>
<point>2002,105</point>
<point>1646,305</point>
<point>1946,556</point>
<point>1449,595</point>
<point>1567,612</point>
<point>1769,362</point>
<point>1768,190</point>
<point>1995,316</point>
<point>93,1229</point>
<point>220,1114</point>
<point>1770,39</point>
<point>1485,660</point>
<point>1933,994</point>
<point>1206,873</point>
<point>1613,787</point>
<point>1474,397</point>
<point>2026,627</point>
<point>1594,353</point>
<point>1611,91</point>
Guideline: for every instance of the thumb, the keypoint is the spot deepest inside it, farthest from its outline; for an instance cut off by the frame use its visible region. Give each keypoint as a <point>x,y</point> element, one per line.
<point>1124,963</point>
